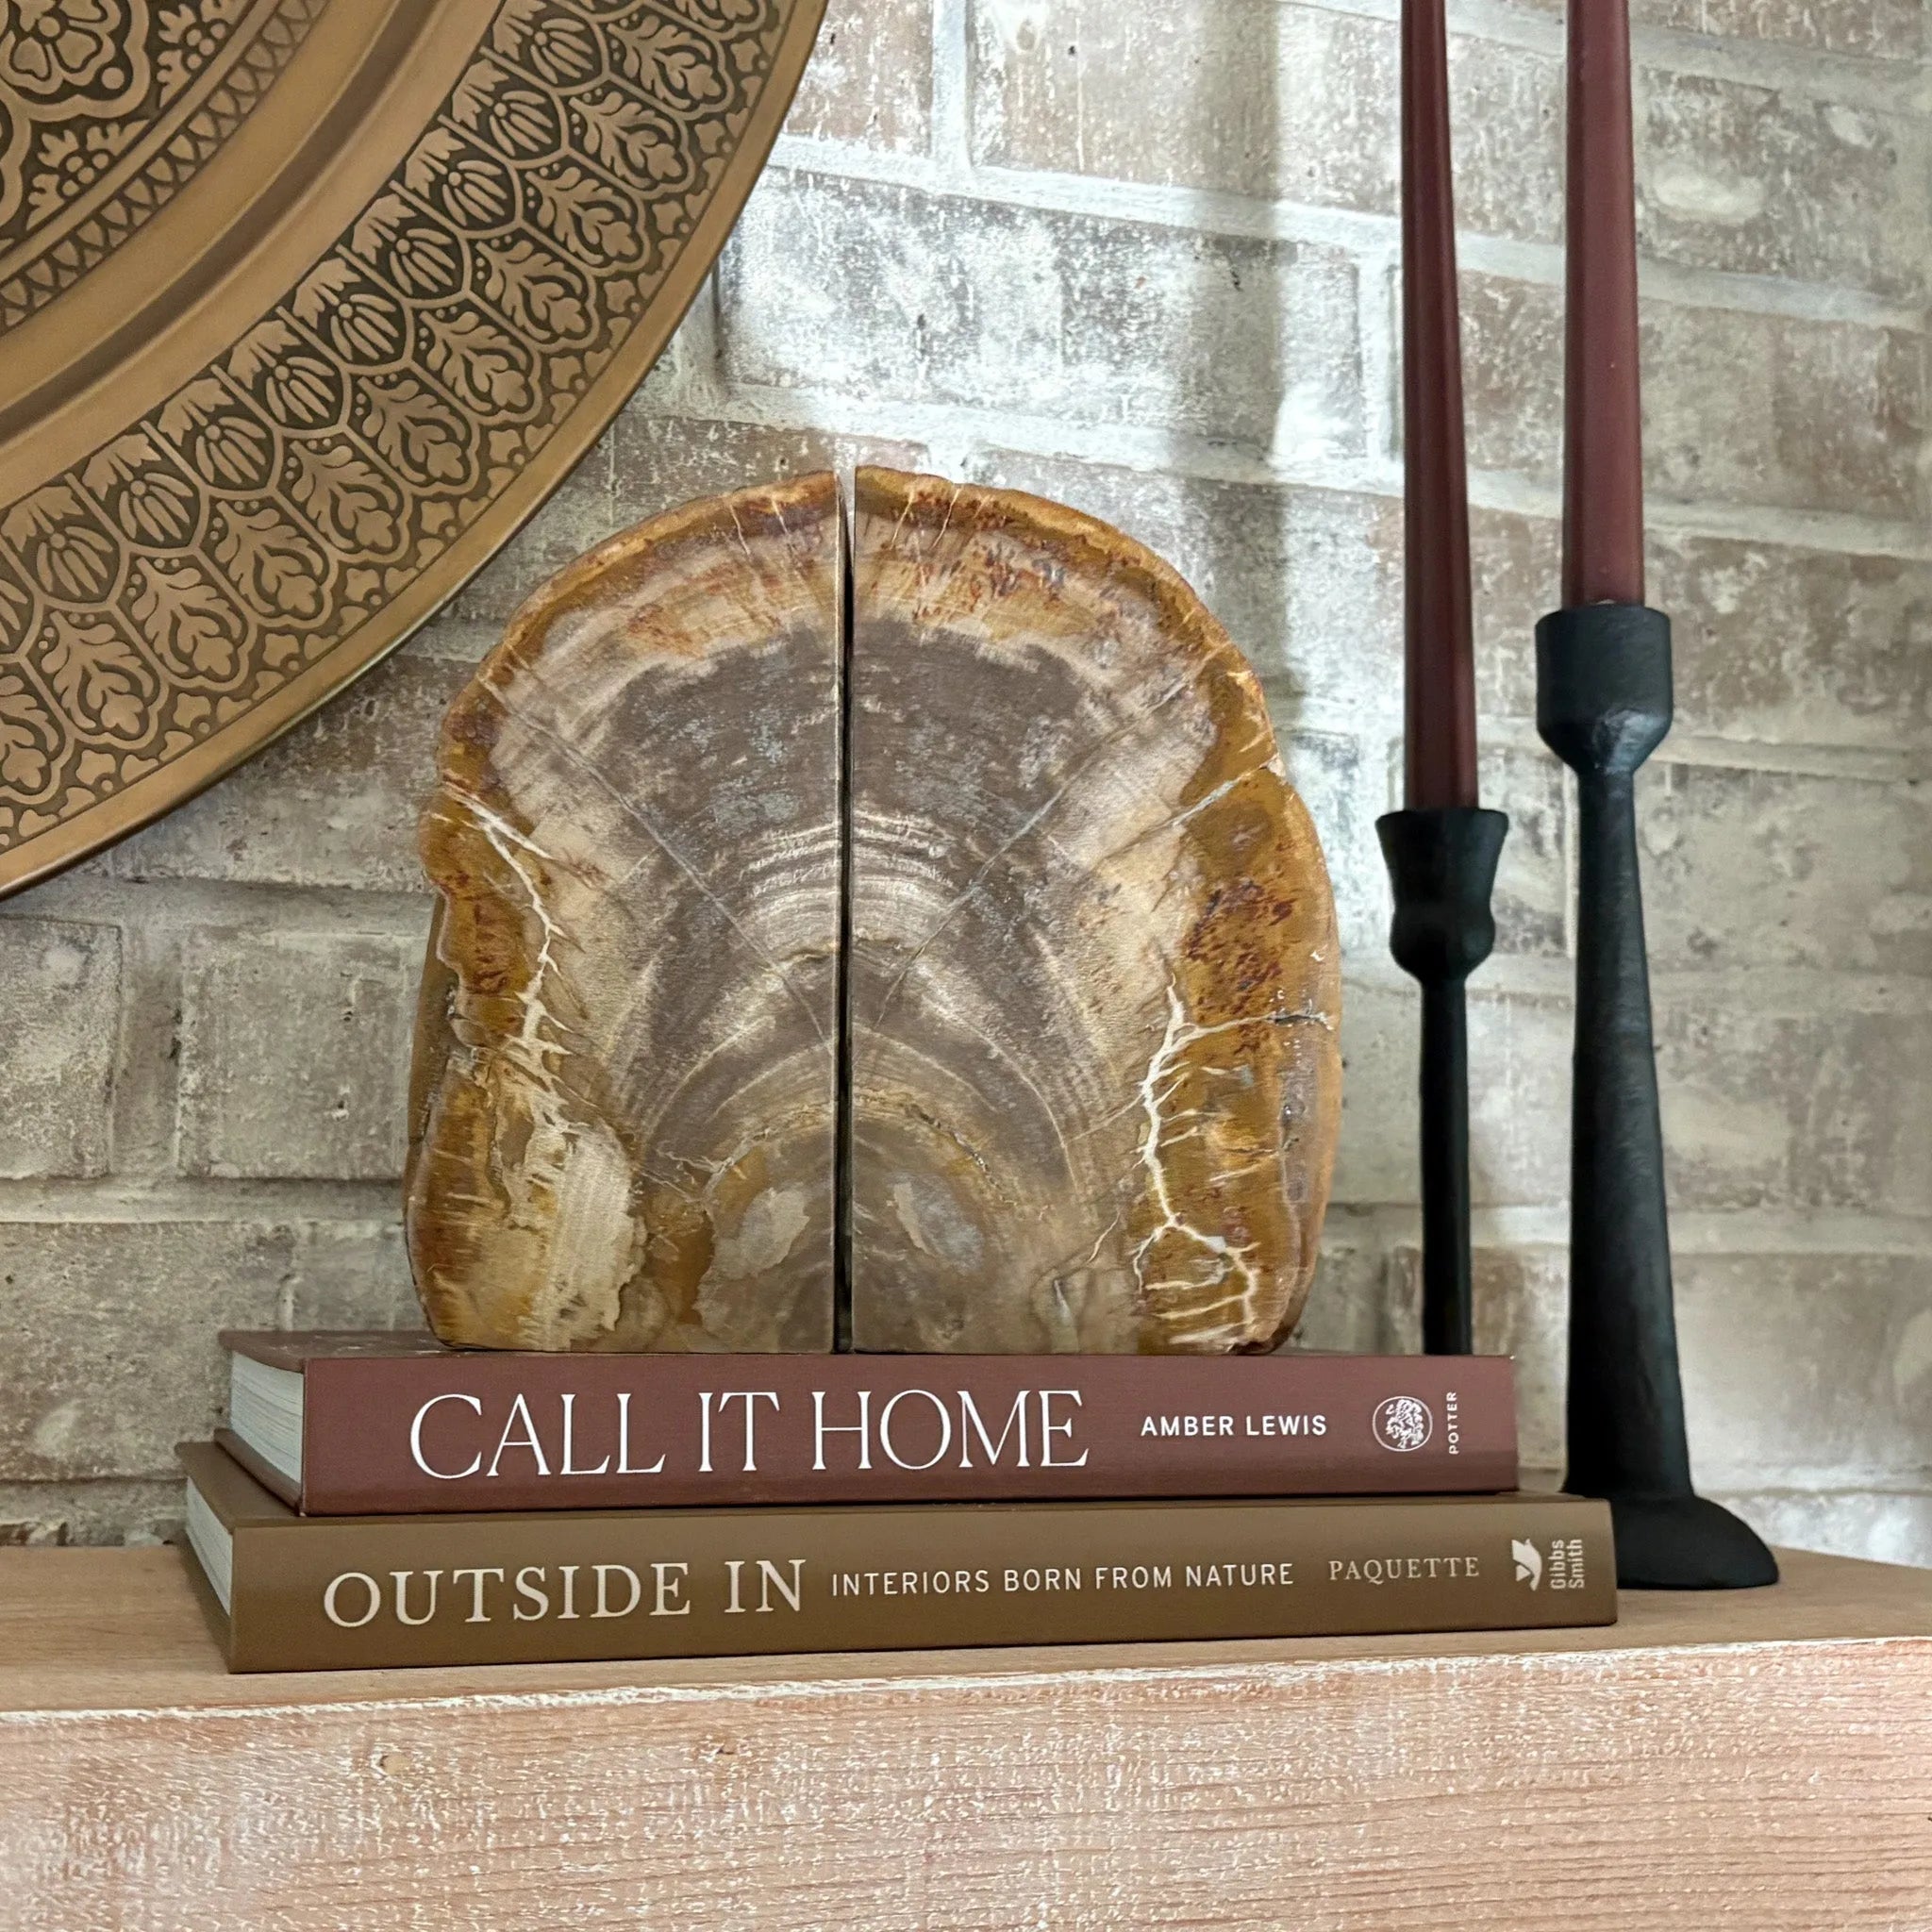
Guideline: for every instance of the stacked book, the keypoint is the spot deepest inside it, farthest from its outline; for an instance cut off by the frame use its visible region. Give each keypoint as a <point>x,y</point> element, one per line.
<point>377,1499</point>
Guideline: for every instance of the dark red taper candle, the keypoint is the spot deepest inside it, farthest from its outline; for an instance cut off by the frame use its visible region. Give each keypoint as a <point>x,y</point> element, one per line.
<point>1603,410</point>
<point>1439,767</point>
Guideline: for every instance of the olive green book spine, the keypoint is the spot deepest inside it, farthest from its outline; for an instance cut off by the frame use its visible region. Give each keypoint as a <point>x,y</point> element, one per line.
<point>352,1592</point>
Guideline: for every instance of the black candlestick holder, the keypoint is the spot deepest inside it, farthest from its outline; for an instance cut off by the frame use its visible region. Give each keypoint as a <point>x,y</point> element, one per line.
<point>1603,706</point>
<point>1442,868</point>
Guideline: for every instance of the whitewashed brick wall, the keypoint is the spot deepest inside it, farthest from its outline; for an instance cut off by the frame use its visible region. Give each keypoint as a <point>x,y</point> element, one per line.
<point>1141,254</point>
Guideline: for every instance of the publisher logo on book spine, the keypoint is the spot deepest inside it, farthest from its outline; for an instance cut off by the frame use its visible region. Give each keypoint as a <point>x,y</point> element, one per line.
<point>1402,1423</point>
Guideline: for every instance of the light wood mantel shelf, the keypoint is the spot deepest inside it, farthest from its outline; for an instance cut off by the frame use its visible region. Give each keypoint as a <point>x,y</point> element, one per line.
<point>1761,1761</point>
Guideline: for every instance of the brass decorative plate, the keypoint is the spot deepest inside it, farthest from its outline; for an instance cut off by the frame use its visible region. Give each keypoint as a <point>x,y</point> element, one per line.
<point>305,305</point>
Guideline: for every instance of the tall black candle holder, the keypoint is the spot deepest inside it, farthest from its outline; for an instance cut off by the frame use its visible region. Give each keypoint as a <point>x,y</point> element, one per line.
<point>1603,706</point>
<point>1442,868</point>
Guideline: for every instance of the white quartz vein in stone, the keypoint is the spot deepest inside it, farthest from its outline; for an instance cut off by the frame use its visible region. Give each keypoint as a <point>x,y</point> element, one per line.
<point>1158,1088</point>
<point>506,841</point>
<point>587,1256</point>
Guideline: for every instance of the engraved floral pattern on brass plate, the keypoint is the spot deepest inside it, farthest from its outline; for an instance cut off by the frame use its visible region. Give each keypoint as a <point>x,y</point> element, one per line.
<point>241,548</point>
<point>106,106</point>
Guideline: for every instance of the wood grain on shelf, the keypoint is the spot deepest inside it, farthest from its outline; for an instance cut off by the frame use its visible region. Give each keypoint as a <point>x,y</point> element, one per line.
<point>1760,1761</point>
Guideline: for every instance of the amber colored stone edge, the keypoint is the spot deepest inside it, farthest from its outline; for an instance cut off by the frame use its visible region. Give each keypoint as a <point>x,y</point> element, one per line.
<point>496,957</point>
<point>1230,965</point>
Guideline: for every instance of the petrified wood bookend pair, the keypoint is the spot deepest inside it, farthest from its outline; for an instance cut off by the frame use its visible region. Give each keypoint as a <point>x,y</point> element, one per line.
<point>904,943</point>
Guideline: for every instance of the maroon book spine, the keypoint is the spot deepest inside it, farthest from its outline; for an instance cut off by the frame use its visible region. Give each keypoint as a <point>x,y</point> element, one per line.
<point>486,1431</point>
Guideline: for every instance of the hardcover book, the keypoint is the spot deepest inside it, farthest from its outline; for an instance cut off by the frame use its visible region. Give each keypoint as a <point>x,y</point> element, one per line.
<point>370,1424</point>
<point>293,1593</point>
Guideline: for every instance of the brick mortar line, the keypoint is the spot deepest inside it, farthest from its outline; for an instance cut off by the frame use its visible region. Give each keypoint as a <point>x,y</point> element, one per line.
<point>144,1095</point>
<point>12,1486</point>
<point>1777,993</point>
<point>1148,449</point>
<point>453,639</point>
<point>114,1201</point>
<point>1356,231</point>
<point>1854,764</point>
<point>187,904</point>
<point>1907,763</point>
<point>1894,86</point>
<point>1706,1234</point>
<point>1379,329</point>
<point>952,87</point>
<point>1912,1491</point>
<point>12,1483</point>
<point>1868,81</point>
<point>1794,992</point>
<point>689,366</point>
<point>377,1206</point>
<point>1180,454</point>
<point>1832,532</point>
<point>1790,1480</point>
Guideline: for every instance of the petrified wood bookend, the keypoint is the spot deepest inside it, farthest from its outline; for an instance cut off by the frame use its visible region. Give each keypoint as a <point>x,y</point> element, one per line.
<point>972,917</point>
<point>626,1082</point>
<point>1093,973</point>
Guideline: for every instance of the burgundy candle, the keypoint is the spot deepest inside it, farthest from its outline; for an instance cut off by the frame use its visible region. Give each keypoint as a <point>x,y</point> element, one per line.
<point>1439,682</point>
<point>1603,415</point>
